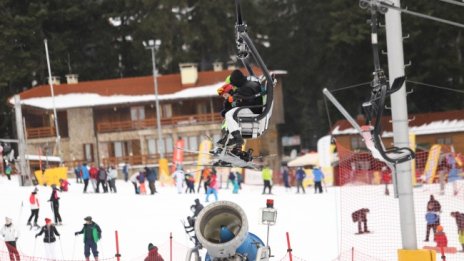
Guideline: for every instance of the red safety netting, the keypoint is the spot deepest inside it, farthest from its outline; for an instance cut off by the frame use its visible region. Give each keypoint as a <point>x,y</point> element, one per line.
<point>367,202</point>
<point>176,249</point>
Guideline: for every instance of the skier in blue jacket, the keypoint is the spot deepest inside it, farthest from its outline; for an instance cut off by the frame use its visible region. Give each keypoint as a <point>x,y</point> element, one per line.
<point>318,177</point>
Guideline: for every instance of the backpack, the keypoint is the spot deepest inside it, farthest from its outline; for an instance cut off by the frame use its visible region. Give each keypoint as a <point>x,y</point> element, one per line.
<point>32,199</point>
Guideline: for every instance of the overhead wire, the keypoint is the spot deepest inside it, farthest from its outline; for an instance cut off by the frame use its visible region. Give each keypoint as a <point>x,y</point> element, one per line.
<point>453,2</point>
<point>429,17</point>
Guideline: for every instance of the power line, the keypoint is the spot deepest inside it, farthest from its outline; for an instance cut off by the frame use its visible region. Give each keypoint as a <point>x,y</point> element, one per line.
<point>436,86</point>
<point>453,2</point>
<point>350,87</point>
<point>391,6</point>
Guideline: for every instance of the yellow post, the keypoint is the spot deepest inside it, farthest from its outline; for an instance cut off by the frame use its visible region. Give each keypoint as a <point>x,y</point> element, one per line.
<point>163,171</point>
<point>416,255</point>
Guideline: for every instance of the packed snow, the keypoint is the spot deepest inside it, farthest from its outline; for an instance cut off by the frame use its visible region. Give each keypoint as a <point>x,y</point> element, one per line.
<point>319,225</point>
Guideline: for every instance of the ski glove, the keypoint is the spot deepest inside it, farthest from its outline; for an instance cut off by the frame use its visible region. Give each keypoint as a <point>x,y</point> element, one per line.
<point>77,233</point>
<point>36,236</point>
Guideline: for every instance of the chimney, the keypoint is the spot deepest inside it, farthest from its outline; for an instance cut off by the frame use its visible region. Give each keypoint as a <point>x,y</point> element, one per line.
<point>72,78</point>
<point>55,80</point>
<point>217,66</point>
<point>188,73</point>
<point>231,66</point>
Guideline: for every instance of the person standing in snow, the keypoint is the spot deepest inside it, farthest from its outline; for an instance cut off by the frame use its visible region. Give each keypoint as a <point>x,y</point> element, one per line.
<point>300,176</point>
<point>49,231</point>
<point>460,225</point>
<point>35,206</point>
<point>212,187</point>
<point>134,181</point>
<point>85,176</point>
<point>151,177</point>
<point>440,237</point>
<point>101,179</point>
<point>125,171</point>
<point>285,177</point>
<point>112,176</point>
<point>78,173</point>
<point>432,221</point>
<point>267,178</point>
<point>10,235</point>
<point>318,177</point>
<point>55,201</point>
<point>179,177</point>
<point>92,234</point>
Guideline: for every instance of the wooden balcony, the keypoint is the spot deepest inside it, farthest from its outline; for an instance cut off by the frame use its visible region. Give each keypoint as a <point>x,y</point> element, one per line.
<point>145,159</point>
<point>42,132</point>
<point>151,123</point>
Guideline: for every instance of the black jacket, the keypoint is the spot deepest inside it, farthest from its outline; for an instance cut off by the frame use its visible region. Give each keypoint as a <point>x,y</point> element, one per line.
<point>49,233</point>
<point>244,96</point>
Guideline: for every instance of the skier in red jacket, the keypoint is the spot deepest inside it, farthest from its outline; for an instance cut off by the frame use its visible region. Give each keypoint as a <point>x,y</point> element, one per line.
<point>440,237</point>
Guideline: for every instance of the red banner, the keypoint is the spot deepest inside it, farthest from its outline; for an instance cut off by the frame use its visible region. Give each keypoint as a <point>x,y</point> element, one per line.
<point>178,155</point>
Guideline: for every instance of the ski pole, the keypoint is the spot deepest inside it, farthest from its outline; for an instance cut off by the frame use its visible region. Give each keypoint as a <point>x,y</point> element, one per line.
<point>74,247</point>
<point>33,251</point>
<point>61,246</point>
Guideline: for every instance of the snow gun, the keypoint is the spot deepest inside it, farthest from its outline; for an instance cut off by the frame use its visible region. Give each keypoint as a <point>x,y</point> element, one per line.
<point>222,229</point>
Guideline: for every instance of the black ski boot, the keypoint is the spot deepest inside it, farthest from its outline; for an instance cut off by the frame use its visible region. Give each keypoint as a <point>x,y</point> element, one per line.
<point>237,139</point>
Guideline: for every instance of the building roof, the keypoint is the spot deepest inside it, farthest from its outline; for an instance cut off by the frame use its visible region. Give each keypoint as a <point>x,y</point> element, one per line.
<point>420,124</point>
<point>124,90</point>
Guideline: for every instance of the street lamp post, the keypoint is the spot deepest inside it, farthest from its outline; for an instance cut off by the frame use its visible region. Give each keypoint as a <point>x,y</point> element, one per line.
<point>153,45</point>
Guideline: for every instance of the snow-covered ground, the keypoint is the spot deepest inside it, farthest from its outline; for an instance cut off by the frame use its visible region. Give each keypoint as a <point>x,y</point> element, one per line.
<point>320,225</point>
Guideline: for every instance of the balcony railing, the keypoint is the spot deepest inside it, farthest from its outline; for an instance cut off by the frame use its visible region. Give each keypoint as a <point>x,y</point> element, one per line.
<point>151,123</point>
<point>42,132</point>
<point>144,159</point>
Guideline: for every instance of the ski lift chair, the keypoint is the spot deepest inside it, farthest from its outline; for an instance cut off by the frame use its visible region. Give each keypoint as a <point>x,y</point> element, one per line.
<point>253,125</point>
<point>372,134</point>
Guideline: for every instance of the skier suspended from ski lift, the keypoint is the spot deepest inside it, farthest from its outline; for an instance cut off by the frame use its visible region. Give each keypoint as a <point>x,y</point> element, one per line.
<point>246,94</point>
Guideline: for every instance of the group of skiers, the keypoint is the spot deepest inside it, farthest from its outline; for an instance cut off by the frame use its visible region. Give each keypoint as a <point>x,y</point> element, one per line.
<point>432,218</point>
<point>91,230</point>
<point>300,176</point>
<point>138,179</point>
<point>106,177</point>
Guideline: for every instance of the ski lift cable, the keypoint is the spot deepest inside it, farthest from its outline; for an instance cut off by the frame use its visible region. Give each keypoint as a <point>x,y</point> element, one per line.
<point>429,17</point>
<point>435,86</point>
<point>453,2</point>
<point>350,87</point>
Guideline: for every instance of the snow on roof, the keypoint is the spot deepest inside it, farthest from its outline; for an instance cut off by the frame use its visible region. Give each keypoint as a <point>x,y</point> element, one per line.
<point>76,100</point>
<point>444,126</point>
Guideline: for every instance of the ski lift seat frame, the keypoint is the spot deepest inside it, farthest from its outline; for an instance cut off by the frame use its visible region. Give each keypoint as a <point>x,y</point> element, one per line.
<point>253,125</point>
<point>374,143</point>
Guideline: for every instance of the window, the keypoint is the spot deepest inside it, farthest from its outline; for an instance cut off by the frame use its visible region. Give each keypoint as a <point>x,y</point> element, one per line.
<point>357,143</point>
<point>445,140</point>
<point>169,144</point>
<point>119,149</point>
<point>192,143</point>
<point>166,110</point>
<point>202,108</point>
<point>137,113</point>
<point>153,145</point>
<point>88,152</point>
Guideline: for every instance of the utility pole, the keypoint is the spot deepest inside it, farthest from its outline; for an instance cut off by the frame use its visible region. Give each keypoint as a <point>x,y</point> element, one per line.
<point>55,115</point>
<point>23,168</point>
<point>400,126</point>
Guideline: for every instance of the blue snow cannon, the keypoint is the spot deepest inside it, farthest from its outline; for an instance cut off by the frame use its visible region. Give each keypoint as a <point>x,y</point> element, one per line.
<point>222,229</point>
